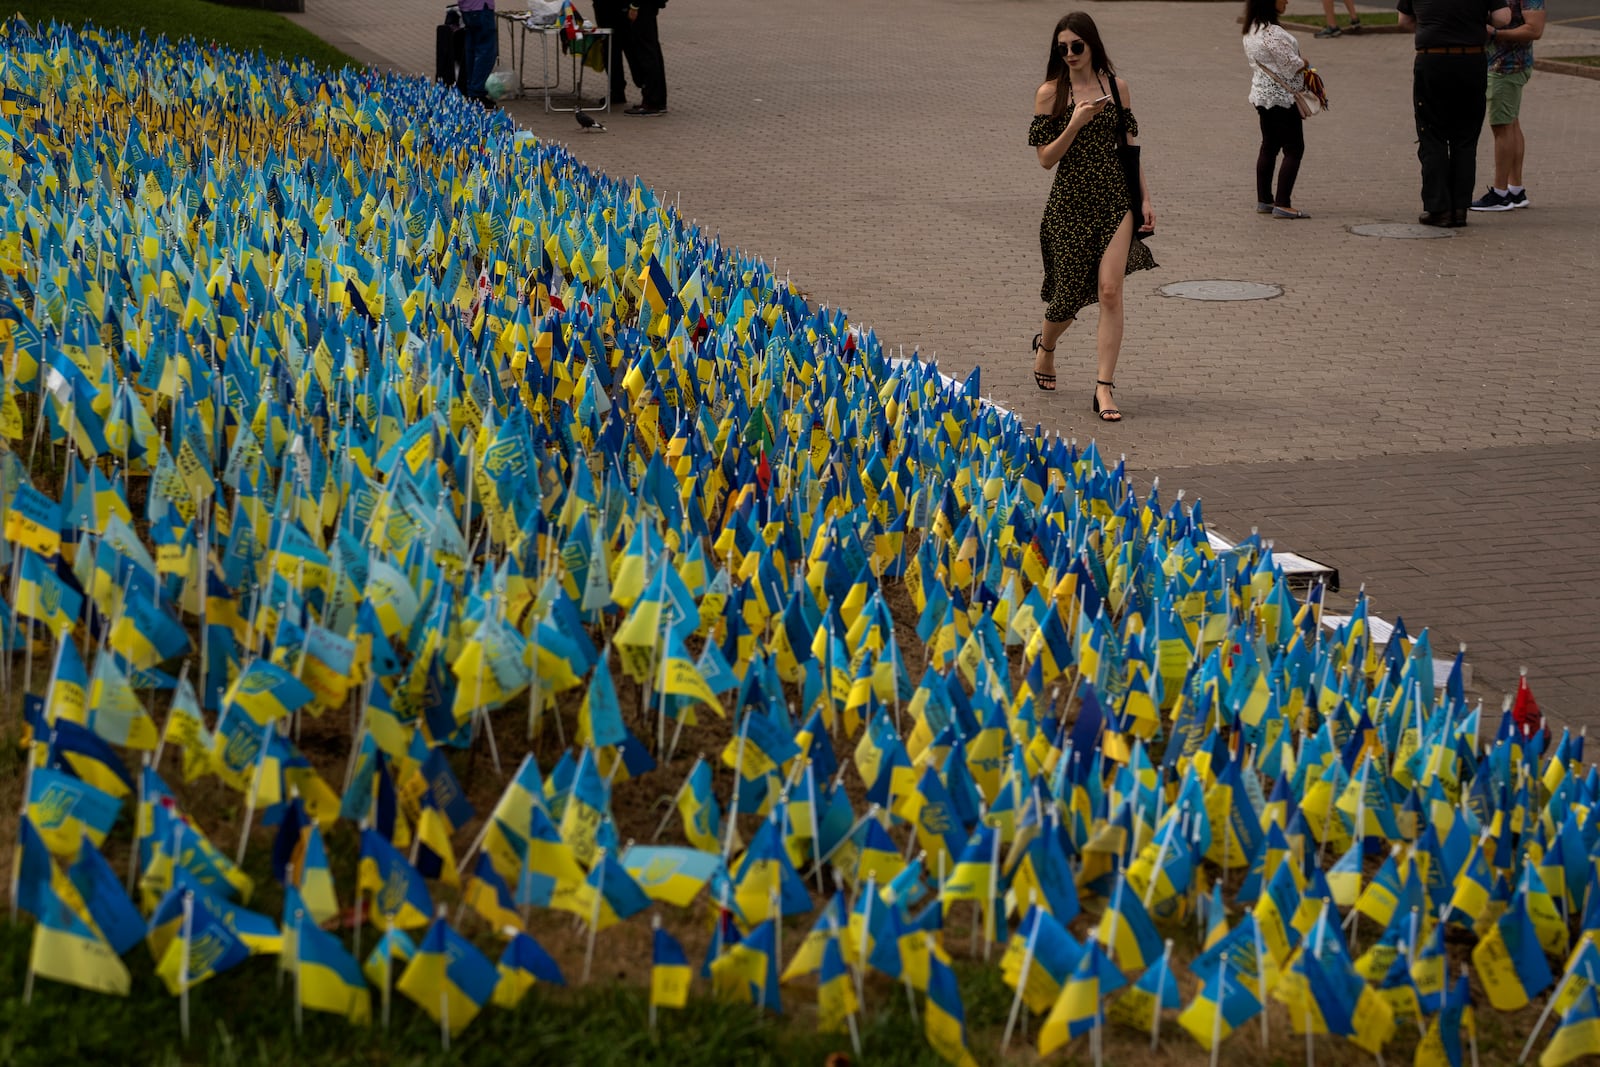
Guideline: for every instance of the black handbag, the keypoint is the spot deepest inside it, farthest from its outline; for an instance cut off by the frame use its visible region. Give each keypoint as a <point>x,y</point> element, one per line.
<point>1129,155</point>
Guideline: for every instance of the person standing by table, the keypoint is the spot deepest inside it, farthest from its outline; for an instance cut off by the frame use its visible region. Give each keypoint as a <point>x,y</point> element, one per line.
<point>1449,81</point>
<point>1510,66</point>
<point>613,15</point>
<point>644,57</point>
<point>483,47</point>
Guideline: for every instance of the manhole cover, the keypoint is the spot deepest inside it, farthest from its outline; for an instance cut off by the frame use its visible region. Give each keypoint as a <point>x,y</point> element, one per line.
<point>1400,231</point>
<point>1222,290</point>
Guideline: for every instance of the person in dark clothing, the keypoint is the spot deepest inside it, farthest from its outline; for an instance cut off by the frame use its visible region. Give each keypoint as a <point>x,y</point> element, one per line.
<point>1448,84</point>
<point>483,48</point>
<point>613,15</point>
<point>644,57</point>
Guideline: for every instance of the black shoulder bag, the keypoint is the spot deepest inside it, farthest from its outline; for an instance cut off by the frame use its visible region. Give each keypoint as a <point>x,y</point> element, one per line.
<point>1129,155</point>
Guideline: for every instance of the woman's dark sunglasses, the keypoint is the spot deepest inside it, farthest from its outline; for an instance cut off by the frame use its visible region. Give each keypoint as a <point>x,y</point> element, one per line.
<point>1071,48</point>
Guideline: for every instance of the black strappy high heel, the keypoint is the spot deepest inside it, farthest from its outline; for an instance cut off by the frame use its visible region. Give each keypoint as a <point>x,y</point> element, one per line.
<point>1106,414</point>
<point>1045,382</point>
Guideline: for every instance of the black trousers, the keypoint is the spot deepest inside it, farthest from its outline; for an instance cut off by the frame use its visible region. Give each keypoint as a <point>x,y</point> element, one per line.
<point>644,56</point>
<point>613,15</point>
<point>1448,94</point>
<point>1282,130</point>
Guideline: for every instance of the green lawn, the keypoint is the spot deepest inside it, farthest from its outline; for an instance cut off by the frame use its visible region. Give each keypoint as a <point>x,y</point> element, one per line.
<point>244,1017</point>
<point>242,28</point>
<point>1582,61</point>
<point>1368,18</point>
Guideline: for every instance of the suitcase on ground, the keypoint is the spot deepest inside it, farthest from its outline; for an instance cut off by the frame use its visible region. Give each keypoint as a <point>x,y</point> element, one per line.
<point>450,49</point>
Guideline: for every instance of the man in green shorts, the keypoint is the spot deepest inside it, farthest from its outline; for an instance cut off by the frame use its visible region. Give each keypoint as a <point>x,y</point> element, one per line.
<point>1510,65</point>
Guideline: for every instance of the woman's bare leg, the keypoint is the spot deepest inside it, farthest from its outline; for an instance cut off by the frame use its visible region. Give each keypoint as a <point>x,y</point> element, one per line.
<point>1108,341</point>
<point>1049,333</point>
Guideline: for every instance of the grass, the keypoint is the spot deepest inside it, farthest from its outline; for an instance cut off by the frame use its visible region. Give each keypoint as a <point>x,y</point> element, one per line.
<point>1582,61</point>
<point>246,29</point>
<point>1368,18</point>
<point>243,1017</point>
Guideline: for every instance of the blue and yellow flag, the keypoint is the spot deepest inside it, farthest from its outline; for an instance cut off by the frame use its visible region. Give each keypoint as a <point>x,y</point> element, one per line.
<point>747,972</point>
<point>702,818</point>
<point>328,978</point>
<point>1579,1032</point>
<point>67,949</point>
<point>394,888</point>
<point>1223,1004</point>
<point>1510,962</point>
<point>836,994</point>
<point>523,963</point>
<point>669,972</point>
<point>205,945</point>
<point>448,978</point>
<point>1078,1009</point>
<point>945,1022</point>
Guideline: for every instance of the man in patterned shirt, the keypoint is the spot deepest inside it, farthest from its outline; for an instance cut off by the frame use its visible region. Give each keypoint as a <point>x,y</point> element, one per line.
<point>1510,66</point>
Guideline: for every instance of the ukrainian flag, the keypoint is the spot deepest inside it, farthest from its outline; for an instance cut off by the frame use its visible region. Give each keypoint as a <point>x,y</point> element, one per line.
<point>807,958</point>
<point>669,972</point>
<point>523,963</point>
<point>1579,1032</point>
<point>211,947</point>
<point>1055,956</point>
<point>44,597</point>
<point>511,818</point>
<point>448,978</point>
<point>764,869</point>
<point>329,979</point>
<point>488,895</point>
<point>398,892</point>
<point>671,875</point>
<point>1077,1009</point>
<point>548,865</point>
<point>702,817</point>
<point>1222,1006</point>
<point>394,947</point>
<point>749,970</point>
<point>67,949</point>
<point>267,692</point>
<point>65,809</point>
<point>1143,1002</point>
<point>945,1018</point>
<point>1510,962</point>
<point>836,994</point>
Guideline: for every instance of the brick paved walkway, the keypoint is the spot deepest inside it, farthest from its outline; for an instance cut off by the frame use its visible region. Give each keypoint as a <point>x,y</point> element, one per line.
<point>1421,414</point>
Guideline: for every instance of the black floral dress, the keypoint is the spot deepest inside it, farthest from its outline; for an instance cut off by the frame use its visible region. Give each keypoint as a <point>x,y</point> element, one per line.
<point>1086,205</point>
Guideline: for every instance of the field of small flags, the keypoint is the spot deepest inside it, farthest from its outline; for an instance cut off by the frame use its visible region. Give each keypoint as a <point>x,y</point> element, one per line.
<point>440,569</point>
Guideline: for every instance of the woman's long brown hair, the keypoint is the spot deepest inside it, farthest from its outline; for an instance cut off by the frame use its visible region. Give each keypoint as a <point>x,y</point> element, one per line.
<point>1055,70</point>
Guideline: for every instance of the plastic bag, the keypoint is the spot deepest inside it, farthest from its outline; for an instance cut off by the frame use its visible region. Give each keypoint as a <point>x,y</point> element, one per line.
<point>501,84</point>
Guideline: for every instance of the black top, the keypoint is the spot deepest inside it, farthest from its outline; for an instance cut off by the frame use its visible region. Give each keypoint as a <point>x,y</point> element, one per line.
<point>1450,23</point>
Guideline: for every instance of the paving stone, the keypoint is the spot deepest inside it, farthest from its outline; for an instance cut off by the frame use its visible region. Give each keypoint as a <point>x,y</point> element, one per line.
<point>1420,414</point>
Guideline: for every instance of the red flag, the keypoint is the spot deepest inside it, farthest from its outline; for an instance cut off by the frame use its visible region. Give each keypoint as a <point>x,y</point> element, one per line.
<point>1525,710</point>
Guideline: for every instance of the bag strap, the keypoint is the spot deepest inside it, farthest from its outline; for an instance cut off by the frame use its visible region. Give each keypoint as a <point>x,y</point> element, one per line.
<point>1269,72</point>
<point>1122,116</point>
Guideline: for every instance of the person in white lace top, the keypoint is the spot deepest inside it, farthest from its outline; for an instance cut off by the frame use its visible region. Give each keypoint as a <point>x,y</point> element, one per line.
<point>1272,50</point>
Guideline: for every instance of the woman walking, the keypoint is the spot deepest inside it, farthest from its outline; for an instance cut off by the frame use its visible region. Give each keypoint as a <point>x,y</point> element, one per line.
<point>1081,112</point>
<point>1276,69</point>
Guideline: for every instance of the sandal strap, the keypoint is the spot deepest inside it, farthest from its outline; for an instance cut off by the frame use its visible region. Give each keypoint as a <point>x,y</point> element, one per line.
<point>1098,381</point>
<point>1042,348</point>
